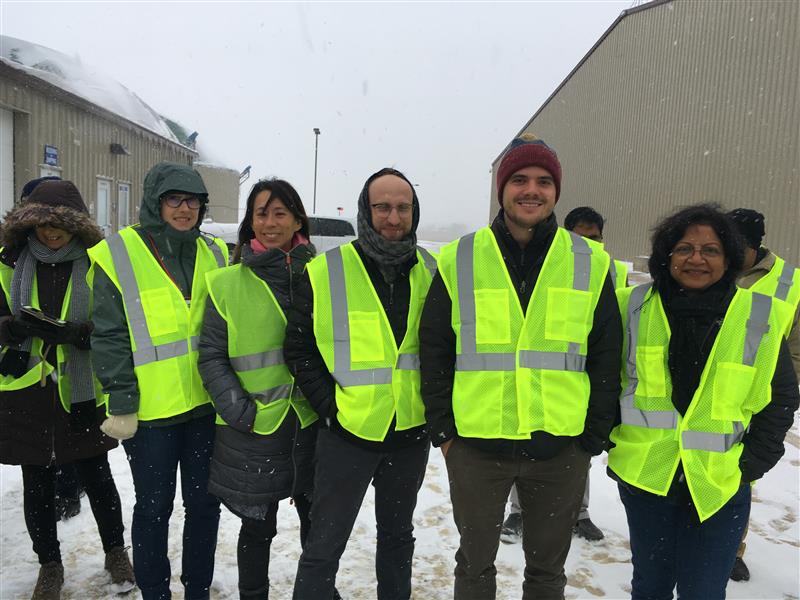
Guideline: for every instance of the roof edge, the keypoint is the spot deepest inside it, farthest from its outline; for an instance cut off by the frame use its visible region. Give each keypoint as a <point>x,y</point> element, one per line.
<point>622,15</point>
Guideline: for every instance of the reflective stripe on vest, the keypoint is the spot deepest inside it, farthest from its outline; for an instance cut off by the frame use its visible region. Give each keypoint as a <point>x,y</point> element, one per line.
<point>470,360</point>
<point>785,282</point>
<point>259,360</point>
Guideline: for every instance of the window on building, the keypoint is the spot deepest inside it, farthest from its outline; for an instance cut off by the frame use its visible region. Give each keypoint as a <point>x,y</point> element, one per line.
<point>123,204</point>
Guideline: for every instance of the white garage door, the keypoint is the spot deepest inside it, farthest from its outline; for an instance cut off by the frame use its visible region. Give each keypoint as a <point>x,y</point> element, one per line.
<point>6,161</point>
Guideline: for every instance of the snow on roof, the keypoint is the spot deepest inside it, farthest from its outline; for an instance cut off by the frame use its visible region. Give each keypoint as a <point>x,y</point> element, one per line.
<point>72,75</point>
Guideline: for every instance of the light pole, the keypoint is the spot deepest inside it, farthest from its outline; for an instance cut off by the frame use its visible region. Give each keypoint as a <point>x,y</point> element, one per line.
<point>316,151</point>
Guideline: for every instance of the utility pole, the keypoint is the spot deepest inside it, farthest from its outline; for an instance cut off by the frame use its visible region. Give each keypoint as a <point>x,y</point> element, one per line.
<point>316,152</point>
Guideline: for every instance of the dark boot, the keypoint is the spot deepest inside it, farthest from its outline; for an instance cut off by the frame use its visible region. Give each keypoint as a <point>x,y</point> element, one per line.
<point>50,582</point>
<point>740,572</point>
<point>119,567</point>
<point>587,530</point>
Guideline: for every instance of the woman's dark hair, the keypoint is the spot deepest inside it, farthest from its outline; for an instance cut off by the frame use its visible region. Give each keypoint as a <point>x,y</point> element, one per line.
<point>672,228</point>
<point>283,191</point>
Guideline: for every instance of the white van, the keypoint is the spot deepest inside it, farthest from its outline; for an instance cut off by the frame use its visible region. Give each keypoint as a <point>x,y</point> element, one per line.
<point>326,232</point>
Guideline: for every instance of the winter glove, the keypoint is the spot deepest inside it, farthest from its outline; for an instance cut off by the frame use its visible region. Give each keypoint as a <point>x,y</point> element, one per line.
<point>120,427</point>
<point>74,332</point>
<point>21,329</point>
<point>14,363</point>
<point>82,416</point>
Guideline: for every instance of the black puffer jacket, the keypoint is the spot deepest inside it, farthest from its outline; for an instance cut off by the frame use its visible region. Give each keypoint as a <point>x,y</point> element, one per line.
<point>306,364</point>
<point>438,354</point>
<point>248,469</point>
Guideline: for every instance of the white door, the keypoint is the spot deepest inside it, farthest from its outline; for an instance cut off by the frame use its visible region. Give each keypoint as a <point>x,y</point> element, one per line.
<point>103,205</point>
<point>6,161</point>
<point>123,204</point>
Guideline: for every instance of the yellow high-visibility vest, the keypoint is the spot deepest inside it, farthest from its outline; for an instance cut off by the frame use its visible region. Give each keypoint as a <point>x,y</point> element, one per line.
<point>653,437</point>
<point>519,372</point>
<point>38,366</point>
<point>375,380</point>
<point>163,327</point>
<point>256,330</point>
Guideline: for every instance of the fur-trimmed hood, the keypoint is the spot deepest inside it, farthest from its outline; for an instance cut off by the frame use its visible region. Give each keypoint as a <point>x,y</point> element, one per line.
<point>20,220</point>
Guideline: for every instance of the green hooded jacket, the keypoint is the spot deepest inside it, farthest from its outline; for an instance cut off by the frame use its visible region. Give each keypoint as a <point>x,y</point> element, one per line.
<point>111,346</point>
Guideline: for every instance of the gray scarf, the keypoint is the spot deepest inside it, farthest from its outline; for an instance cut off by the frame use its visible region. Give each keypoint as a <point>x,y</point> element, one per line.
<point>79,367</point>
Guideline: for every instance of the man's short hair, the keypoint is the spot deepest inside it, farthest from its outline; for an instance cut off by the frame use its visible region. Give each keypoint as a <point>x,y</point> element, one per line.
<point>583,214</point>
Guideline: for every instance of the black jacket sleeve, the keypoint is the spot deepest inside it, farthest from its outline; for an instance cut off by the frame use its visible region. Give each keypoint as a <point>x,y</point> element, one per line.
<point>231,401</point>
<point>302,355</point>
<point>111,346</point>
<point>437,354</point>
<point>763,443</point>
<point>603,362</point>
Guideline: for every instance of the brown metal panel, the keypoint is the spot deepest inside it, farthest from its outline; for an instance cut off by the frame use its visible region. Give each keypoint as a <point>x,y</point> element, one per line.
<point>683,102</point>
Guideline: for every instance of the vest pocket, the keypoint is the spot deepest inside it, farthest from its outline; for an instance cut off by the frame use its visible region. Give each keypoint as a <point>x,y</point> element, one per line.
<point>493,322</point>
<point>161,317</point>
<point>650,370</point>
<point>732,384</point>
<point>569,315</point>
<point>365,345</point>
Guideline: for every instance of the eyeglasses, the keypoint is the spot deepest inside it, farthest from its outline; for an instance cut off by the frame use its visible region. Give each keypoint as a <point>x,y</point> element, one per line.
<point>384,210</point>
<point>687,250</point>
<point>175,200</point>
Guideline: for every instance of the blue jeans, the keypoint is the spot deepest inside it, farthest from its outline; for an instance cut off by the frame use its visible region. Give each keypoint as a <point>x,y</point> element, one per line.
<point>670,546</point>
<point>154,454</point>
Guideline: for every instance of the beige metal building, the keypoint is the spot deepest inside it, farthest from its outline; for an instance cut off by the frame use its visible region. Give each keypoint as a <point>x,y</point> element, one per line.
<point>681,102</point>
<point>58,117</point>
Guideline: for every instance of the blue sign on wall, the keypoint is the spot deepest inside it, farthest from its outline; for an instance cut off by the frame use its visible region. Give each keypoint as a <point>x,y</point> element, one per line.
<point>51,155</point>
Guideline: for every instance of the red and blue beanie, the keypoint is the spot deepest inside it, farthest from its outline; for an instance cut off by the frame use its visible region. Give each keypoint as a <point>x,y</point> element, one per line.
<point>528,151</point>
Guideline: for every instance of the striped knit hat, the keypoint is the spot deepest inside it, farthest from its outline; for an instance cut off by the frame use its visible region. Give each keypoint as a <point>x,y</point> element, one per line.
<point>528,151</point>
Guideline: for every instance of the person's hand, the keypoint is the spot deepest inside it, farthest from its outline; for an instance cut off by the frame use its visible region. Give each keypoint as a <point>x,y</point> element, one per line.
<point>82,416</point>
<point>21,329</point>
<point>73,332</point>
<point>445,447</point>
<point>120,427</point>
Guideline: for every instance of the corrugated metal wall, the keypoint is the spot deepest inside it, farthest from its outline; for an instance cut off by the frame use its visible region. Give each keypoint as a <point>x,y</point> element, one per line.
<point>83,140</point>
<point>683,102</point>
<point>223,192</point>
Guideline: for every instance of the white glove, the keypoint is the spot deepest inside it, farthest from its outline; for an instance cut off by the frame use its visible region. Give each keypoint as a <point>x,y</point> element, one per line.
<point>120,427</point>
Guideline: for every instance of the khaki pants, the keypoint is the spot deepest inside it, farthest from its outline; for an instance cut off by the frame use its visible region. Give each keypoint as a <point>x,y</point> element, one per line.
<point>550,493</point>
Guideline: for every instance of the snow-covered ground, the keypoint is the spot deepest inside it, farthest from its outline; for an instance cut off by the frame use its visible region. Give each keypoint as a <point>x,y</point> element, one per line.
<point>595,570</point>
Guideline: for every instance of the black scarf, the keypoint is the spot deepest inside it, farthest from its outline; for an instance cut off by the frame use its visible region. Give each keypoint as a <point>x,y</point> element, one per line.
<point>695,321</point>
<point>279,269</point>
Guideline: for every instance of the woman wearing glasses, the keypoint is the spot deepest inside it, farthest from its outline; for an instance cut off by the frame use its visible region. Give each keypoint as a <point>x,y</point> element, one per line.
<point>149,291</point>
<point>708,395</point>
<point>266,435</point>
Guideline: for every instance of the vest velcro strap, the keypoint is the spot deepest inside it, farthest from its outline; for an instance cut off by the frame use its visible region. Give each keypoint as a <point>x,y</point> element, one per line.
<point>278,392</point>
<point>163,352</point>
<point>552,361</point>
<point>259,360</point>
<point>713,442</point>
<point>408,362</point>
<point>487,361</point>
<point>363,377</point>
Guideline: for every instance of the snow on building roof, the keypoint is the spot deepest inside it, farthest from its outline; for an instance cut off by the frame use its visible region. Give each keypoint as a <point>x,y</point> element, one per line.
<point>71,75</point>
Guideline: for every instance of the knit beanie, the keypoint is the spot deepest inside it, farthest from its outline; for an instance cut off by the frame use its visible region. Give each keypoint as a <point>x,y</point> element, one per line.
<point>58,193</point>
<point>528,151</point>
<point>750,224</point>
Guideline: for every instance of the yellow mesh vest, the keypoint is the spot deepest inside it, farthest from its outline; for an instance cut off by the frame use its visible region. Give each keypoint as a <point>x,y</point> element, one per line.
<point>375,380</point>
<point>256,329</point>
<point>163,330</point>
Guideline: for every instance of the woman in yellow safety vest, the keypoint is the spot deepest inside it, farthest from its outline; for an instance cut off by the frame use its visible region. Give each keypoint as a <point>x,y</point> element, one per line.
<point>49,399</point>
<point>708,395</point>
<point>266,430</point>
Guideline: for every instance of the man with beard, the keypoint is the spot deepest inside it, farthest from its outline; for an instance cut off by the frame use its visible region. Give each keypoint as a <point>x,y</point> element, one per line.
<point>352,345</point>
<point>520,345</point>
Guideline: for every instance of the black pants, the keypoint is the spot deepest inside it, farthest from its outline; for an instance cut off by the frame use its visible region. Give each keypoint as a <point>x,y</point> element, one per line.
<point>252,552</point>
<point>67,484</point>
<point>343,473</point>
<point>39,487</point>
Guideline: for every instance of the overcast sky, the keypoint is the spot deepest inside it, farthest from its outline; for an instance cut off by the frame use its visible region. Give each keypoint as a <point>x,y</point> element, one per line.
<point>433,89</point>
